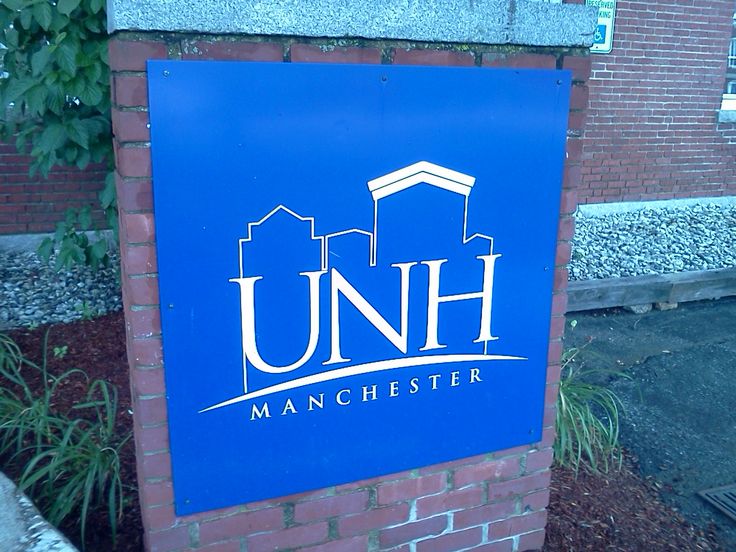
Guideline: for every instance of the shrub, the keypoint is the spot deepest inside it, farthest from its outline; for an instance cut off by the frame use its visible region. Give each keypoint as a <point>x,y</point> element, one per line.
<point>587,418</point>
<point>72,459</point>
<point>71,244</point>
<point>55,91</point>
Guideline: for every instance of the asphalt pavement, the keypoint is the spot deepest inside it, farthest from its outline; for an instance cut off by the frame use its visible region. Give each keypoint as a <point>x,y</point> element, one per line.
<point>22,529</point>
<point>680,403</point>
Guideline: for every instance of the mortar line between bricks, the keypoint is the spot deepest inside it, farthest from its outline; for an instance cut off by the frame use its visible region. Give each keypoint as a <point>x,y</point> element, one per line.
<point>136,243</point>
<point>125,179</point>
<point>147,367</point>
<point>148,426</point>
<point>157,480</point>
<point>138,212</point>
<point>159,424</point>
<point>135,144</point>
<point>151,397</point>
<point>170,38</point>
<point>132,108</point>
<point>147,305</point>
<point>129,73</point>
<point>154,452</point>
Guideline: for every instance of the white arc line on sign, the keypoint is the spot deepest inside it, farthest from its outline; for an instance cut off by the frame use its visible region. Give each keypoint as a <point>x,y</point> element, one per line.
<point>358,369</point>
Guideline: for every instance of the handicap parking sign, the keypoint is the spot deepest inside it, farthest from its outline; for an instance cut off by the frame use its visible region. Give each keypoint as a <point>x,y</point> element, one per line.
<point>603,37</point>
<point>600,35</point>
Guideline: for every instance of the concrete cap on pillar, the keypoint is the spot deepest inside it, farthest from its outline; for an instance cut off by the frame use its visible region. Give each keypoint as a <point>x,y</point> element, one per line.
<point>519,22</point>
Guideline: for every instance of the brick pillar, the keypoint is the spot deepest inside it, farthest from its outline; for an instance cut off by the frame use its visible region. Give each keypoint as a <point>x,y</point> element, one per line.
<point>492,502</point>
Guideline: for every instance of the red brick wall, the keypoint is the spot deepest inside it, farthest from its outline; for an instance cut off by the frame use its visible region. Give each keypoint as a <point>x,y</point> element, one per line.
<point>36,204</point>
<point>652,132</point>
<point>494,502</point>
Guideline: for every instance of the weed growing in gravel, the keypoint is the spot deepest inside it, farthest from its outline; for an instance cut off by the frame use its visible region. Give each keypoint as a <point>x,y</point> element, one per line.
<point>85,309</point>
<point>72,458</point>
<point>587,418</point>
<point>72,245</point>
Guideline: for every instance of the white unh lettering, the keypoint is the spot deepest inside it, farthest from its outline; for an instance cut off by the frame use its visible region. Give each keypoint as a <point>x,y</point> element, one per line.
<point>434,299</point>
<point>320,403</point>
<point>454,379</point>
<point>475,375</point>
<point>340,400</point>
<point>288,408</point>
<point>255,412</point>
<point>369,391</point>
<point>339,285</point>
<point>248,323</point>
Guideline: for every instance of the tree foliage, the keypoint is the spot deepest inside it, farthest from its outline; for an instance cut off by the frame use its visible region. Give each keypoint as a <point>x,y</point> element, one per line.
<point>55,87</point>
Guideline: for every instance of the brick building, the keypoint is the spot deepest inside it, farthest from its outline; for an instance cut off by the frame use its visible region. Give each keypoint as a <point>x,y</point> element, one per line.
<point>30,204</point>
<point>655,128</point>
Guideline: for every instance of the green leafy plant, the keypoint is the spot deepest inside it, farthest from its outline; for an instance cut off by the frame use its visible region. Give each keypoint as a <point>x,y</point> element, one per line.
<point>71,244</point>
<point>72,459</point>
<point>587,417</point>
<point>26,417</point>
<point>60,351</point>
<point>56,94</point>
<point>79,467</point>
<point>85,309</point>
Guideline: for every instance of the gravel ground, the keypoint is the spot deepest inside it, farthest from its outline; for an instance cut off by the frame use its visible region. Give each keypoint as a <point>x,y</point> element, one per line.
<point>648,241</point>
<point>33,293</point>
<point>654,241</point>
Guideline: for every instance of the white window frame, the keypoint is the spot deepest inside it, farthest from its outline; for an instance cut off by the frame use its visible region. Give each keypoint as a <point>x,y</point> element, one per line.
<point>728,103</point>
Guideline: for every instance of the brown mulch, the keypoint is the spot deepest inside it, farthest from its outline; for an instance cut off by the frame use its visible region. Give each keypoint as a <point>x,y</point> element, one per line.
<point>616,512</point>
<point>619,511</point>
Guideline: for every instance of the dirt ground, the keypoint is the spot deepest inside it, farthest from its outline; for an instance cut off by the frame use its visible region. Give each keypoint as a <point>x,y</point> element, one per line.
<point>680,404</point>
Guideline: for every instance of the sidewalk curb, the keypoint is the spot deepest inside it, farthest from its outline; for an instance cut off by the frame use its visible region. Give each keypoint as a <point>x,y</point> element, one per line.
<point>22,528</point>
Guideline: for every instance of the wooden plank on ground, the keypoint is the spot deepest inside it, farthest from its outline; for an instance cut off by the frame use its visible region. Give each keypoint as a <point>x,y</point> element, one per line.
<point>658,288</point>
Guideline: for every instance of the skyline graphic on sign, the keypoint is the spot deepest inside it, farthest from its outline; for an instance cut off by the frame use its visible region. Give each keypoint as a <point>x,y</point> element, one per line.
<point>321,255</point>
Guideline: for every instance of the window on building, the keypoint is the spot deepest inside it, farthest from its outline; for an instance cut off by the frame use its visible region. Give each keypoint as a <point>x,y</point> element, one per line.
<point>729,94</point>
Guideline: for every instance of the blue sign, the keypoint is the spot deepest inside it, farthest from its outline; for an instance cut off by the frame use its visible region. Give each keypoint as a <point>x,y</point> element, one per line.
<point>600,34</point>
<point>355,266</point>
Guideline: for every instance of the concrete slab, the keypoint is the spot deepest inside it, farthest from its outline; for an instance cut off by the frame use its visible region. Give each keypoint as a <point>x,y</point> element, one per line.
<point>22,528</point>
<point>21,243</point>
<point>480,21</point>
<point>604,209</point>
<point>541,24</point>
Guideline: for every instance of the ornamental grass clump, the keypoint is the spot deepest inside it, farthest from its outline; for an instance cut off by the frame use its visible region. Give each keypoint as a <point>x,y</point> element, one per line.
<point>587,418</point>
<point>71,459</point>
